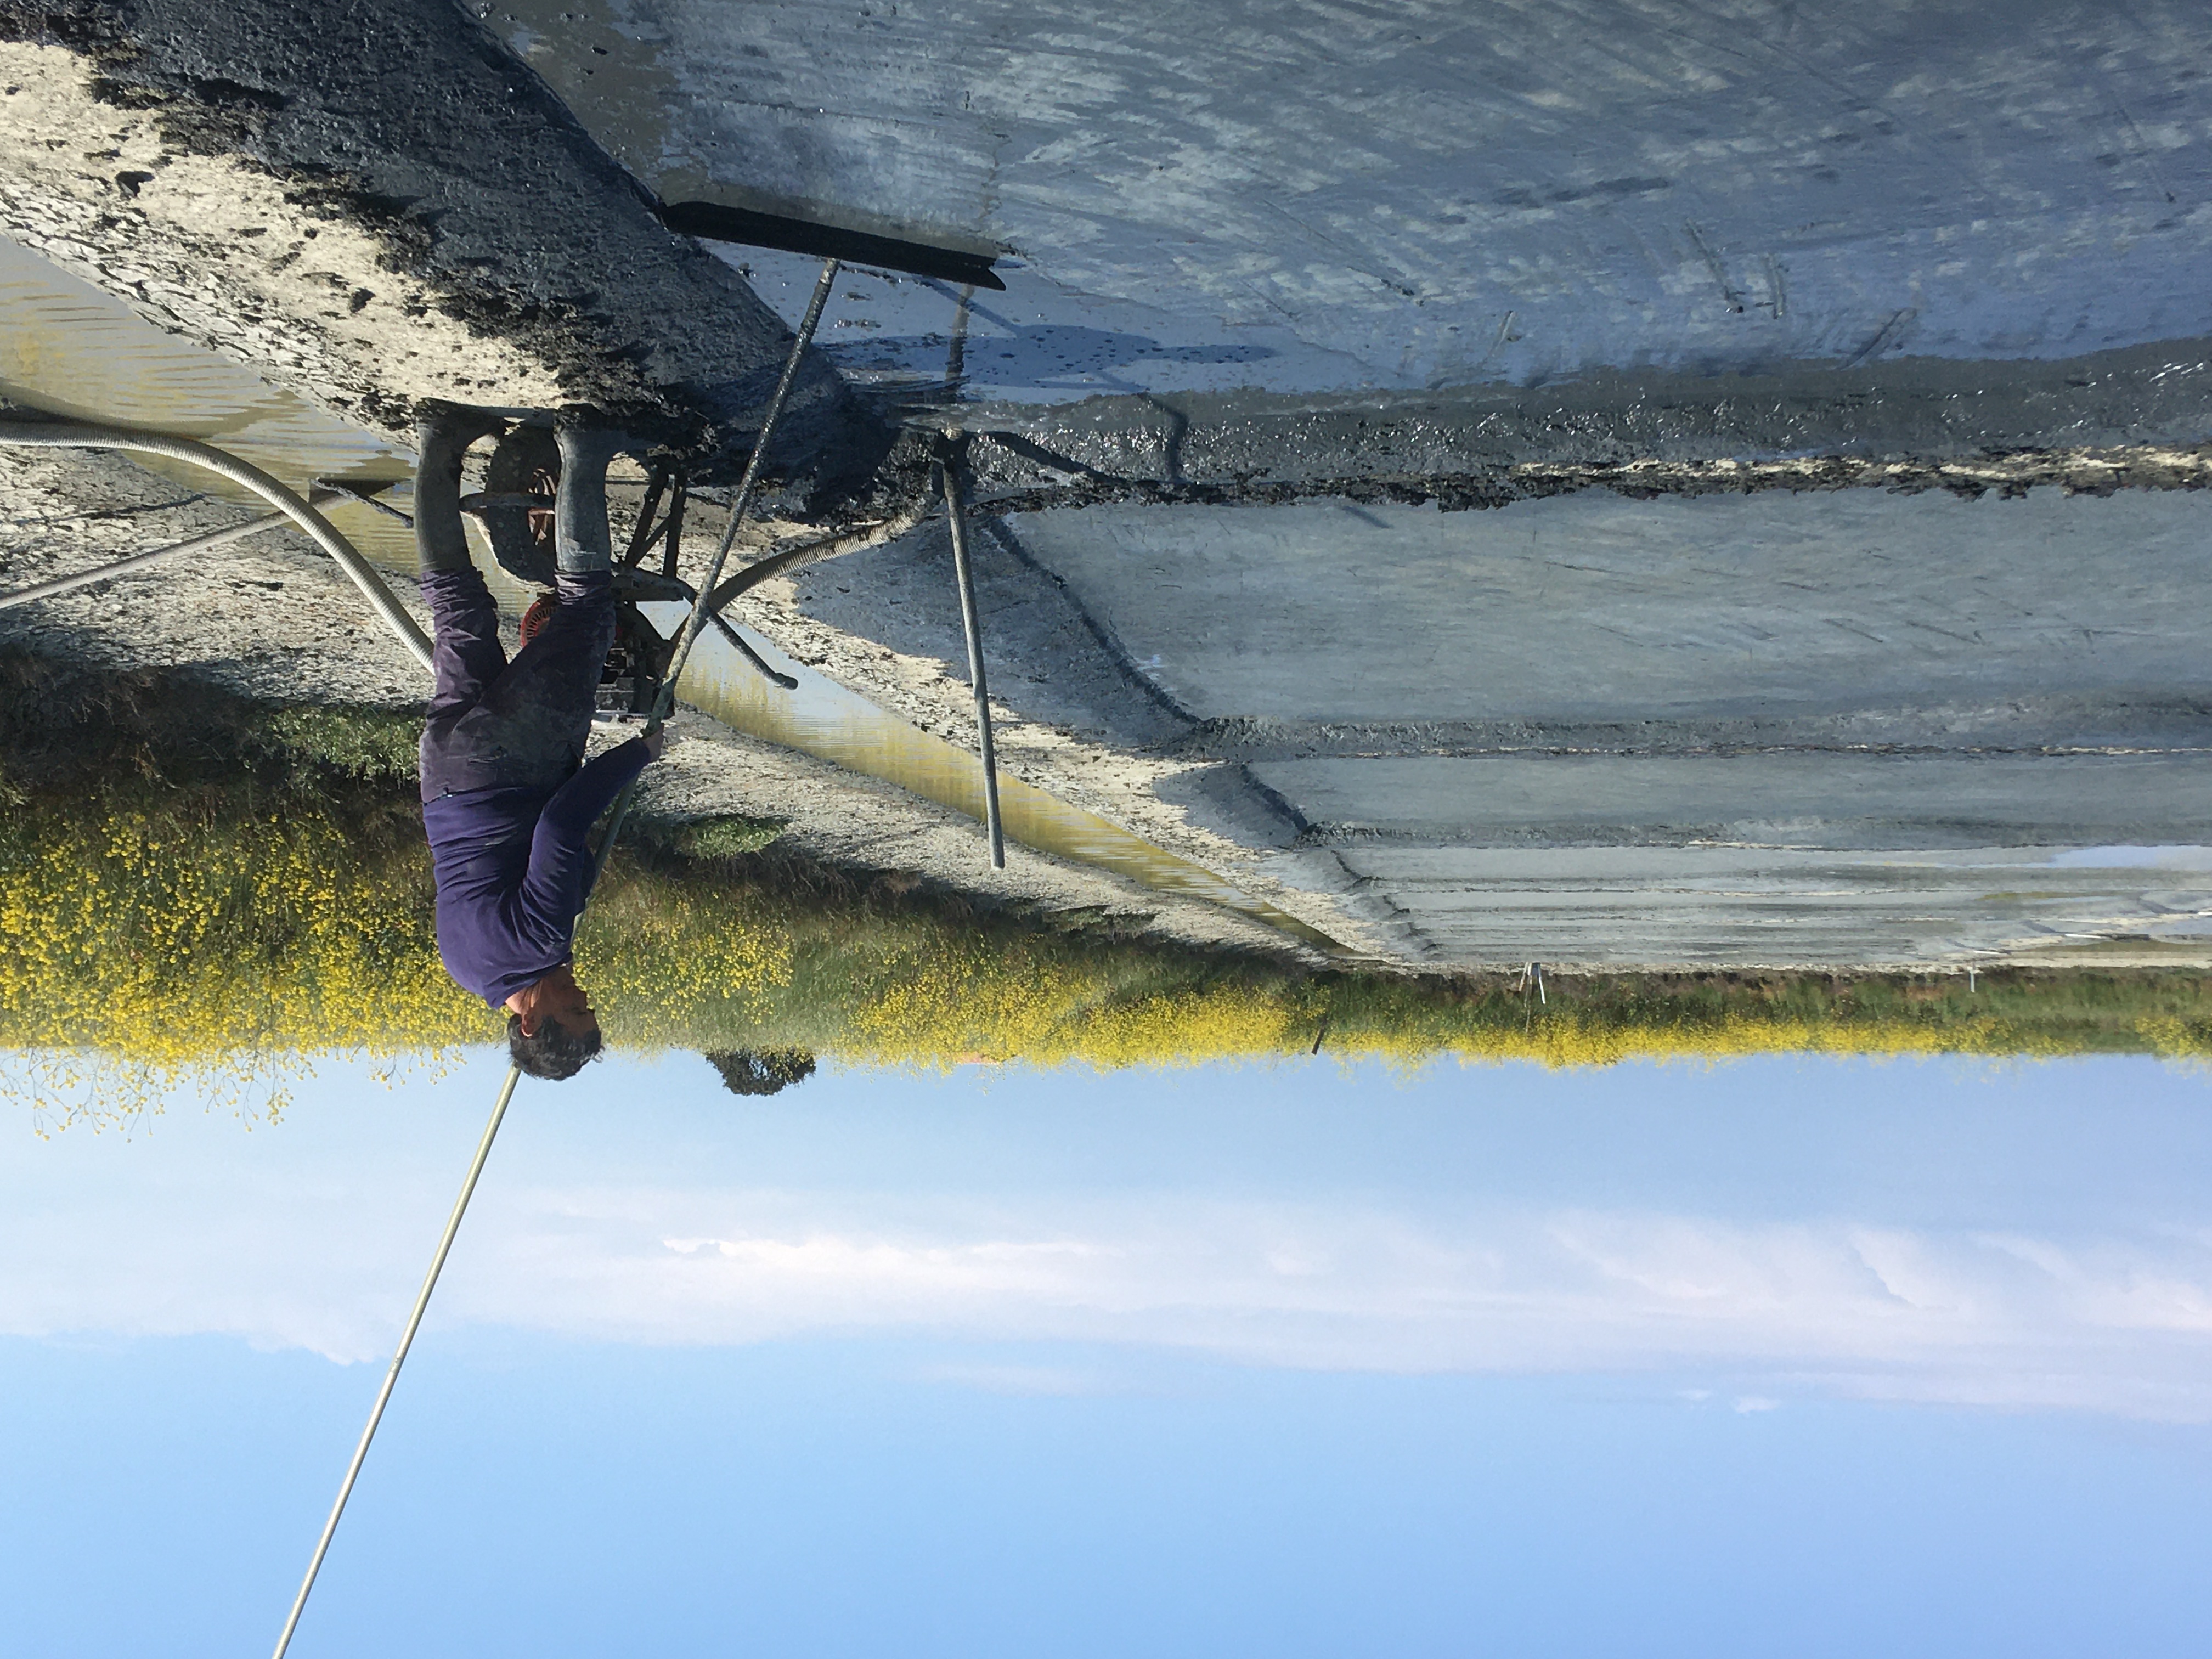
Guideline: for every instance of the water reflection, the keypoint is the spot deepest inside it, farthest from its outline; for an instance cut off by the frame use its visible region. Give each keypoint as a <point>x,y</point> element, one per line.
<point>70,349</point>
<point>1819,1346</point>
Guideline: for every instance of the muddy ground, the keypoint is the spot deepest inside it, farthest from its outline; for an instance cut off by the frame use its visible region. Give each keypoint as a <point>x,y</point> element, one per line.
<point>439,229</point>
<point>452,229</point>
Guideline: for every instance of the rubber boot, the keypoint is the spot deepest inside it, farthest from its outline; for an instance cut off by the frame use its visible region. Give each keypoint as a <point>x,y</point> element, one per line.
<point>582,541</point>
<point>441,441</point>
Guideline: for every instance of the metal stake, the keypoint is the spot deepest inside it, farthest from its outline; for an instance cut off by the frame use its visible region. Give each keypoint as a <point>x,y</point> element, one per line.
<point>641,536</point>
<point>665,704</point>
<point>948,475</point>
<point>399,1359</point>
<point>675,539</point>
<point>799,344</point>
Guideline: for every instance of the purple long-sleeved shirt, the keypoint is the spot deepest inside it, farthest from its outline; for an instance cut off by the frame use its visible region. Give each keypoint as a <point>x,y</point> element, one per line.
<point>514,869</point>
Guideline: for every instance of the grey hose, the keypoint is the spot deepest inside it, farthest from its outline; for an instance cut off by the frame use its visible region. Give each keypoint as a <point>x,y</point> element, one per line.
<point>89,435</point>
<point>108,573</point>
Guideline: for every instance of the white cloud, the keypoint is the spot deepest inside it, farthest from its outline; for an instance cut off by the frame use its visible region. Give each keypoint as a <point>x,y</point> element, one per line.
<point>1018,1379</point>
<point>2119,1324</point>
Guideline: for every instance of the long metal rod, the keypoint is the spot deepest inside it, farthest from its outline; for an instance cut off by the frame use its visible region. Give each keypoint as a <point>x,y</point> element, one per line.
<point>399,1359</point>
<point>60,585</point>
<point>666,703</point>
<point>964,572</point>
<point>674,542</point>
<point>745,485</point>
<point>641,536</point>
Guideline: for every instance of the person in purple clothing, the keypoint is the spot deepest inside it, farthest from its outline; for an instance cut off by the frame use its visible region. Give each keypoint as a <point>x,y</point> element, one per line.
<point>507,800</point>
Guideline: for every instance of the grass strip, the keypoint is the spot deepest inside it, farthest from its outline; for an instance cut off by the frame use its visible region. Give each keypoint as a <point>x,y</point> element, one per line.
<point>194,884</point>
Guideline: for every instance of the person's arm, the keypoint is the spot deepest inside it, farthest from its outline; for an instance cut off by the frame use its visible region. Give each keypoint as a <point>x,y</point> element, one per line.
<point>559,877</point>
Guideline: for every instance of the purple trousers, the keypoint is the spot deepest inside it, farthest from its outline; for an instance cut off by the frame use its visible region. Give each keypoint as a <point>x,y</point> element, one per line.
<point>500,724</point>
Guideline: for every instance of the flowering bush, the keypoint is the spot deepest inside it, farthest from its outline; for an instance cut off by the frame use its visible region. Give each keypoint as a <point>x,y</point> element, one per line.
<point>138,946</point>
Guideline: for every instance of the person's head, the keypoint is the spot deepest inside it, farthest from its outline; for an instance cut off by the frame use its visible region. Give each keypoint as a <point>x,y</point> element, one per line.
<point>551,1030</point>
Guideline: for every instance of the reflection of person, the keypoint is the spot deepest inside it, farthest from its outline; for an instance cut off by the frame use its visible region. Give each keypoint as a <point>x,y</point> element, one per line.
<point>506,801</point>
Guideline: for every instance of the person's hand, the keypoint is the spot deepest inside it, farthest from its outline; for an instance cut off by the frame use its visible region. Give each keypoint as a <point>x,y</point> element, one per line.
<point>653,739</point>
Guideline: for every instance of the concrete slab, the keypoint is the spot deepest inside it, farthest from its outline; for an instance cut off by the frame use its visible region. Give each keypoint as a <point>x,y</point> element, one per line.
<point>1592,609</point>
<point>1738,907</point>
<point>1834,800</point>
<point>1424,193</point>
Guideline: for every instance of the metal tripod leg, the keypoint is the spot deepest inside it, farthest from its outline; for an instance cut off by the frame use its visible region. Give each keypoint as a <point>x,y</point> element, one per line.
<point>948,482</point>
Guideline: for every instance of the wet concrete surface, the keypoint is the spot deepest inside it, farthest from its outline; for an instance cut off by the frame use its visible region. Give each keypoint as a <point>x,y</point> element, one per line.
<point>1751,730</point>
<point>1729,907</point>
<point>1833,802</point>
<point>1422,194</point>
<point>1856,617</point>
<point>2134,418</point>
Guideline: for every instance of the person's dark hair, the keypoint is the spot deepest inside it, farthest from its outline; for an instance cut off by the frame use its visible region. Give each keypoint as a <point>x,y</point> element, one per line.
<point>556,1053</point>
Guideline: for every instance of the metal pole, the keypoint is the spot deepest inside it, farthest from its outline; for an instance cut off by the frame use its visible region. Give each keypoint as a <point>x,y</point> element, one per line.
<point>60,585</point>
<point>641,536</point>
<point>399,1359</point>
<point>753,463</point>
<point>949,480</point>
<point>666,702</point>
<point>675,528</point>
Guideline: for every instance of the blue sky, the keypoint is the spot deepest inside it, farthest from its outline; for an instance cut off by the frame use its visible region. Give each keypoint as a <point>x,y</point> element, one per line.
<point>1790,1356</point>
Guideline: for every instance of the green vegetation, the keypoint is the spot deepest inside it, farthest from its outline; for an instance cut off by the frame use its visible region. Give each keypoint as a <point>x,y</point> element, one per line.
<point>190,883</point>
